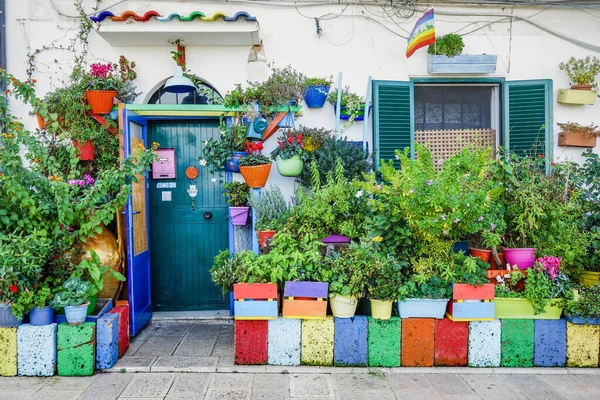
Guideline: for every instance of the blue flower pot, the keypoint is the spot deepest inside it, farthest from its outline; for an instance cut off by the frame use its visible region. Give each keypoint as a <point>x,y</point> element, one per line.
<point>231,303</point>
<point>41,316</point>
<point>345,116</point>
<point>463,246</point>
<point>288,120</point>
<point>233,165</point>
<point>76,314</point>
<point>7,319</point>
<point>315,96</point>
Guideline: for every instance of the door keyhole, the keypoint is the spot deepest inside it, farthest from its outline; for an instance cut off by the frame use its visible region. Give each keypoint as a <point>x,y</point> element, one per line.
<point>208,215</point>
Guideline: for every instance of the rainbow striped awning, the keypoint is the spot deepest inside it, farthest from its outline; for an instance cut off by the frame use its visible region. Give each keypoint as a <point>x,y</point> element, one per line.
<point>423,34</point>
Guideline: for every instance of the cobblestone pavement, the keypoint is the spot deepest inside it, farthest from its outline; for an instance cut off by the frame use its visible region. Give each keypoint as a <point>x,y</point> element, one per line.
<point>193,360</point>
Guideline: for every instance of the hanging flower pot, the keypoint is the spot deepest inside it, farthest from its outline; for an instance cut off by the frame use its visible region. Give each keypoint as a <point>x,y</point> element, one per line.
<point>86,150</point>
<point>264,235</point>
<point>316,95</point>
<point>290,167</point>
<point>101,101</point>
<point>359,115</point>
<point>288,120</point>
<point>239,215</point>
<point>233,164</point>
<point>256,175</point>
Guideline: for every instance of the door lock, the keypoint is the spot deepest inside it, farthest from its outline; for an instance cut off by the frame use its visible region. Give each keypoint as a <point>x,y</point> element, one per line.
<point>208,215</point>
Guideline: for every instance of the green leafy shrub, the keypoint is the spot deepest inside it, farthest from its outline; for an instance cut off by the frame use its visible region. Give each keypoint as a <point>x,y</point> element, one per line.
<point>433,288</point>
<point>585,304</point>
<point>75,292</point>
<point>237,194</point>
<point>449,45</point>
<point>582,71</point>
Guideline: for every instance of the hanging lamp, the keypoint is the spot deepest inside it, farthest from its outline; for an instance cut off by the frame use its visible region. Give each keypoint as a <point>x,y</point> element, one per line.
<point>179,83</point>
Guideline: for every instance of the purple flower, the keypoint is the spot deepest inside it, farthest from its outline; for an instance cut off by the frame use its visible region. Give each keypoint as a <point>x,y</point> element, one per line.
<point>430,182</point>
<point>443,216</point>
<point>456,220</point>
<point>480,218</point>
<point>88,179</point>
<point>493,226</point>
<point>397,158</point>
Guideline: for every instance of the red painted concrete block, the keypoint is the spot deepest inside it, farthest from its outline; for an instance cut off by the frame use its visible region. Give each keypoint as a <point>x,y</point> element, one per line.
<point>451,343</point>
<point>124,338</point>
<point>251,338</point>
<point>418,342</point>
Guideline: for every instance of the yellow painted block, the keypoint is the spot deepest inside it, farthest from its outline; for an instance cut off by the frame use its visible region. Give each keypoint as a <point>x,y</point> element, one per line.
<point>317,341</point>
<point>8,351</point>
<point>583,345</point>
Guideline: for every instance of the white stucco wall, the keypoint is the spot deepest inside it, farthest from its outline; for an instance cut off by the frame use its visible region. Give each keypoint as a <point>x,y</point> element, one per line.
<point>358,43</point>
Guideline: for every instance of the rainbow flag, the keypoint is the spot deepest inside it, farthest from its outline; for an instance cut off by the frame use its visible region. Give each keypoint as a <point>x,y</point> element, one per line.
<point>423,34</point>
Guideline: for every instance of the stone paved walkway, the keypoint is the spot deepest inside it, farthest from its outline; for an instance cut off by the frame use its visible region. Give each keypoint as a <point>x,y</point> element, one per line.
<point>193,360</point>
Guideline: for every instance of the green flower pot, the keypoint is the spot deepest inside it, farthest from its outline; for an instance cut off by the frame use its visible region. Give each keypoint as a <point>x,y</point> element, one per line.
<point>290,167</point>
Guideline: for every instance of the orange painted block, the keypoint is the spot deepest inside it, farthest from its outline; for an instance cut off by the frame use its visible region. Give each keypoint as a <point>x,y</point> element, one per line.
<point>463,291</point>
<point>418,342</point>
<point>255,291</point>
<point>304,309</point>
<point>124,303</point>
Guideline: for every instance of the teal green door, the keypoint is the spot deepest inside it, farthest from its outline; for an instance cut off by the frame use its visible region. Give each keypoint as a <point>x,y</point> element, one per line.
<point>184,241</point>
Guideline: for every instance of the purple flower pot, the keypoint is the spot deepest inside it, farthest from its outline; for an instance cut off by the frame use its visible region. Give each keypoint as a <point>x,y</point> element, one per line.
<point>523,258</point>
<point>334,238</point>
<point>239,215</point>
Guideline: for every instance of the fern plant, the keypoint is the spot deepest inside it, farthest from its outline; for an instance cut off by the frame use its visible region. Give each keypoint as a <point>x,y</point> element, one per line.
<point>271,208</point>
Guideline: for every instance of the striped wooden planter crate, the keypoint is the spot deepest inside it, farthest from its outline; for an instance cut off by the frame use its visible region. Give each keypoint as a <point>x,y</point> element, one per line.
<point>472,303</point>
<point>305,300</point>
<point>255,301</point>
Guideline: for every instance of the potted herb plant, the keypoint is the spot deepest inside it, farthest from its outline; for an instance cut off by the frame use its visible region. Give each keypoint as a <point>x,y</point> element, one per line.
<point>255,167</point>
<point>237,194</point>
<point>226,151</point>
<point>75,299</point>
<point>223,274</point>
<point>352,105</point>
<point>445,56</point>
<point>289,154</point>
<point>347,283</point>
<point>283,87</point>
<point>546,288</point>
<point>384,277</point>
<point>425,300</point>
<point>584,307</point>
<point>315,92</point>
<point>271,212</point>
<point>582,72</point>
<point>574,134</point>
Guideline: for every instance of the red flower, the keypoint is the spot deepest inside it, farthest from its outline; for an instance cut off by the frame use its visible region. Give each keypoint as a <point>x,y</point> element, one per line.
<point>254,146</point>
<point>260,145</point>
<point>290,140</point>
<point>299,137</point>
<point>281,144</point>
<point>248,147</point>
<point>13,288</point>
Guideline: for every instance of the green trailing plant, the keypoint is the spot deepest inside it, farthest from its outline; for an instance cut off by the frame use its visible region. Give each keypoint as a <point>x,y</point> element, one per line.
<point>582,71</point>
<point>91,271</point>
<point>351,104</point>
<point>433,288</point>
<point>271,209</point>
<point>237,194</point>
<point>355,160</point>
<point>216,152</point>
<point>585,304</point>
<point>74,292</point>
<point>449,45</point>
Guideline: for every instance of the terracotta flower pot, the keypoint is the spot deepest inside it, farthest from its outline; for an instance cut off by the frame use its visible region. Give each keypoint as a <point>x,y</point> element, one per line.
<point>41,122</point>
<point>256,175</point>
<point>101,101</point>
<point>582,87</point>
<point>576,139</point>
<point>263,235</point>
<point>86,150</point>
<point>482,254</point>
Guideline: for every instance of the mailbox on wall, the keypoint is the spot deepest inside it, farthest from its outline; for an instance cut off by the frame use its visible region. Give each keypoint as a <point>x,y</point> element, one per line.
<point>165,166</point>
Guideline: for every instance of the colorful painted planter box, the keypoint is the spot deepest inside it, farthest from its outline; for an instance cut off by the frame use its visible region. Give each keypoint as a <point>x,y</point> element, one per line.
<point>472,303</point>
<point>463,291</point>
<point>522,309</point>
<point>255,301</point>
<point>574,319</point>
<point>570,96</point>
<point>305,300</point>
<point>422,308</point>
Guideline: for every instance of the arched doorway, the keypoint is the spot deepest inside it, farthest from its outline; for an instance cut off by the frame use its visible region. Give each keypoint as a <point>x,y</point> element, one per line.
<point>206,94</point>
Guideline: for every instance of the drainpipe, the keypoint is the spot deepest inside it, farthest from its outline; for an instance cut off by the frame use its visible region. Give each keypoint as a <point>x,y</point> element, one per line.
<point>3,38</point>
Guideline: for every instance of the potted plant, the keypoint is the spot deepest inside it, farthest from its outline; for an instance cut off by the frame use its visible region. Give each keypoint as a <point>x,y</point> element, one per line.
<point>584,307</point>
<point>582,72</point>
<point>35,302</point>
<point>225,272</point>
<point>285,86</point>
<point>484,245</point>
<point>227,151</point>
<point>255,167</point>
<point>75,299</point>
<point>445,56</point>
<point>271,211</point>
<point>315,92</point>
<point>347,283</point>
<point>590,171</point>
<point>352,105</point>
<point>101,87</point>
<point>574,134</point>
<point>237,197</point>
<point>313,137</point>
<point>384,277</point>
<point>546,287</point>
<point>289,154</point>
<point>425,300</point>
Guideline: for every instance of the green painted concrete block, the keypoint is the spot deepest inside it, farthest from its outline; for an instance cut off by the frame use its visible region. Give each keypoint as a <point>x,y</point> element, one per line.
<point>8,352</point>
<point>73,336</point>
<point>384,342</point>
<point>517,343</point>
<point>77,361</point>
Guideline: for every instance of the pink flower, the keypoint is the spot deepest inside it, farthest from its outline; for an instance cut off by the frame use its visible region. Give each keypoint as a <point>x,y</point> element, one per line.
<point>551,264</point>
<point>100,70</point>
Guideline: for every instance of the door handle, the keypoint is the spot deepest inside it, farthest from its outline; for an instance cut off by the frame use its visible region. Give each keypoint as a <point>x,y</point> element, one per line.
<point>208,215</point>
<point>134,212</point>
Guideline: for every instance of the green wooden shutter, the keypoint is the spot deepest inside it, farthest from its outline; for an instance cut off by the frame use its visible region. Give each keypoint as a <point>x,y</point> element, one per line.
<point>393,123</point>
<point>528,120</point>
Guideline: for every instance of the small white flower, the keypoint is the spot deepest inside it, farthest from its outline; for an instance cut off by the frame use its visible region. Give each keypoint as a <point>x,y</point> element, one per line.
<point>507,276</point>
<point>498,278</point>
<point>206,142</point>
<point>214,180</point>
<point>203,163</point>
<point>468,205</point>
<point>359,194</point>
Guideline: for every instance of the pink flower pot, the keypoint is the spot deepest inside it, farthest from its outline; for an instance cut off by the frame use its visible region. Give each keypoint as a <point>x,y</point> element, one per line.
<point>523,258</point>
<point>239,215</point>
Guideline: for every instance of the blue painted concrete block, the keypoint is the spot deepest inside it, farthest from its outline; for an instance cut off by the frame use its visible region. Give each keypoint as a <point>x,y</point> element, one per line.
<point>466,311</point>
<point>107,341</point>
<point>484,343</point>
<point>36,350</point>
<point>351,344</point>
<point>550,343</point>
<point>284,338</point>
<point>255,310</point>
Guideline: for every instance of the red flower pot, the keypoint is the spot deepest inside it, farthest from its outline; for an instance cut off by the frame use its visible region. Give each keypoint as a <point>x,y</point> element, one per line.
<point>482,254</point>
<point>101,101</point>
<point>262,235</point>
<point>86,150</point>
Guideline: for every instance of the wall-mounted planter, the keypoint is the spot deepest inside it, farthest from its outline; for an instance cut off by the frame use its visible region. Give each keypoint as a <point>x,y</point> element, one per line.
<point>520,308</point>
<point>572,96</point>
<point>464,64</point>
<point>576,139</point>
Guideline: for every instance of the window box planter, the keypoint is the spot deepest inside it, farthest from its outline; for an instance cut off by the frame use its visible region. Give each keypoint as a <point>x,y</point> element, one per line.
<point>359,115</point>
<point>576,139</point>
<point>573,96</point>
<point>589,278</point>
<point>422,308</point>
<point>305,300</point>
<point>255,301</point>
<point>522,309</point>
<point>464,64</point>
<point>574,319</point>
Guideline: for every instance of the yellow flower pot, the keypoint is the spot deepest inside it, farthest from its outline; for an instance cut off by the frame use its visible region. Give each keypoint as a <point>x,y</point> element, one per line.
<point>381,309</point>
<point>343,306</point>
<point>589,278</point>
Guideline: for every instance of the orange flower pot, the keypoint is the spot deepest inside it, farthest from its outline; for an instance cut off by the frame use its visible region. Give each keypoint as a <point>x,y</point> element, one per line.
<point>101,101</point>
<point>263,235</point>
<point>482,254</point>
<point>40,120</point>
<point>493,261</point>
<point>256,175</point>
<point>86,150</point>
